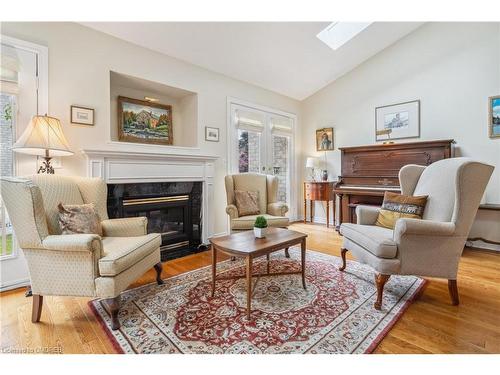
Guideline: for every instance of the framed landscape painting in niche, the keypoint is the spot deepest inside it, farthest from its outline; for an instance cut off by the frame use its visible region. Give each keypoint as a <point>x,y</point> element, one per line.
<point>494,116</point>
<point>397,121</point>
<point>142,121</point>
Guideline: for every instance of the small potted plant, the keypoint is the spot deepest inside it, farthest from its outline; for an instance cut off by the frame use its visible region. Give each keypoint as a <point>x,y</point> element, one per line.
<point>260,227</point>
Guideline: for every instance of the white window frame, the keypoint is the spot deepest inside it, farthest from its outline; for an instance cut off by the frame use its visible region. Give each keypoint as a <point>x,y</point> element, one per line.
<point>42,53</point>
<point>232,137</point>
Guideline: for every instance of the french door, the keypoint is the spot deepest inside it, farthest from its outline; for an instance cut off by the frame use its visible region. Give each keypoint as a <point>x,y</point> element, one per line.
<point>261,141</point>
<point>23,93</point>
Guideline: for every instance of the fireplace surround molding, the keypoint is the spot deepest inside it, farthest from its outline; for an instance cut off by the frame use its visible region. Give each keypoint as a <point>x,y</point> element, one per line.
<point>122,167</point>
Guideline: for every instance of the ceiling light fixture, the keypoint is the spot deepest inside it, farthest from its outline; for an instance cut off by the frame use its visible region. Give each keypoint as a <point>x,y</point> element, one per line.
<point>337,34</point>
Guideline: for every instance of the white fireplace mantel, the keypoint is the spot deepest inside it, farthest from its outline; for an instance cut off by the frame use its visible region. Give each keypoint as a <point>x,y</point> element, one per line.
<point>121,167</point>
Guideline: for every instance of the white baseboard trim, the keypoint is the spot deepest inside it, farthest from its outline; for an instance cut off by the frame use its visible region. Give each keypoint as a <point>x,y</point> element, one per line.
<point>14,284</point>
<point>220,234</point>
<point>483,245</point>
<point>320,220</point>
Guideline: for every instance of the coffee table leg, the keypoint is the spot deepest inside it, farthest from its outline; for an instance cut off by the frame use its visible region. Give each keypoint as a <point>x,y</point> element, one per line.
<point>249,286</point>
<point>303,261</point>
<point>214,268</point>
<point>268,260</point>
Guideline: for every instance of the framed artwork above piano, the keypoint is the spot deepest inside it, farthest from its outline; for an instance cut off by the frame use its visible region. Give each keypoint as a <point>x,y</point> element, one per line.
<point>368,171</point>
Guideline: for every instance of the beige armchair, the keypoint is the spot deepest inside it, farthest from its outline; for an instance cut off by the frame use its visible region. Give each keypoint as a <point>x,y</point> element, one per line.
<point>77,264</point>
<point>270,208</point>
<point>430,247</point>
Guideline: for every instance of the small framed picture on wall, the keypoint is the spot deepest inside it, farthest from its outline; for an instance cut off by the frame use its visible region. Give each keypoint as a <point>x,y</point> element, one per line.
<point>82,115</point>
<point>324,139</point>
<point>494,116</point>
<point>211,134</point>
<point>397,121</point>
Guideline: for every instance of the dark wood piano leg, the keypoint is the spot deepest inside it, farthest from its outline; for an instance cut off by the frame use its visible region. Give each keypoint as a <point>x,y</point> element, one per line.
<point>341,217</point>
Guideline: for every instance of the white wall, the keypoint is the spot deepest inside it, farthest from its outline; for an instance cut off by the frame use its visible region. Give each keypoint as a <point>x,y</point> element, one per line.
<point>188,107</point>
<point>80,60</point>
<point>451,67</point>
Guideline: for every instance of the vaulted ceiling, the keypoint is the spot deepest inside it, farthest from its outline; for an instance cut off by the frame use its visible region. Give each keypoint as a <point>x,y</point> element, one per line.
<point>285,57</point>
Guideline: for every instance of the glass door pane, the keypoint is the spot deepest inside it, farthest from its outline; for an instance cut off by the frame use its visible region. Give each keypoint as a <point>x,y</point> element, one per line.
<point>6,232</point>
<point>7,137</point>
<point>281,165</point>
<point>249,151</point>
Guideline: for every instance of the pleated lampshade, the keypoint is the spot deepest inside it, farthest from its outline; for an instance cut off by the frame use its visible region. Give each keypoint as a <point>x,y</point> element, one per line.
<point>43,136</point>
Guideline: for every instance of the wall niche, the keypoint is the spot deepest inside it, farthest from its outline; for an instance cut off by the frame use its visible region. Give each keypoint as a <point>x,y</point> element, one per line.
<point>184,105</point>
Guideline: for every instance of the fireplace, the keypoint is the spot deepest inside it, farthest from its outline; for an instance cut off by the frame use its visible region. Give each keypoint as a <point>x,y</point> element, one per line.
<point>173,209</point>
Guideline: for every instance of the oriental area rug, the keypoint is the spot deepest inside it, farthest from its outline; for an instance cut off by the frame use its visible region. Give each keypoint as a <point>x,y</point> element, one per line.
<point>334,315</point>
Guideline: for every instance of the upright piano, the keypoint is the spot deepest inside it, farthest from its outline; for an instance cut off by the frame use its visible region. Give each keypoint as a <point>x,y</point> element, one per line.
<point>368,171</point>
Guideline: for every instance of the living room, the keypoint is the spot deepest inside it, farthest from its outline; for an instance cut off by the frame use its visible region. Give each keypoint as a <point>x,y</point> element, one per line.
<point>148,167</point>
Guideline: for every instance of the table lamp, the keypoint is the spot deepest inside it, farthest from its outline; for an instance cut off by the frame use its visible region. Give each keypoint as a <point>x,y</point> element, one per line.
<point>43,137</point>
<point>312,163</point>
<point>386,132</point>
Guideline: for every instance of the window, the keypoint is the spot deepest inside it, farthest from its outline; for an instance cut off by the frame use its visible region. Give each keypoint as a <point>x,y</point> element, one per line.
<point>23,93</point>
<point>9,73</point>
<point>337,34</point>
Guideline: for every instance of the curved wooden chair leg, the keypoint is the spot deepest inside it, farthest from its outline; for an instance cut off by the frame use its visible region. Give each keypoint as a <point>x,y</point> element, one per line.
<point>158,268</point>
<point>380,280</point>
<point>453,289</point>
<point>287,254</point>
<point>112,305</point>
<point>342,254</point>
<point>36,311</point>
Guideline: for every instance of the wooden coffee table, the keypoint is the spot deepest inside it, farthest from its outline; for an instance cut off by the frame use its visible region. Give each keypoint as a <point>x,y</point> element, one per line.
<point>245,245</point>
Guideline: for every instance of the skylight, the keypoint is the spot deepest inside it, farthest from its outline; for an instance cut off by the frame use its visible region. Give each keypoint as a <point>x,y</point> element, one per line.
<point>337,34</point>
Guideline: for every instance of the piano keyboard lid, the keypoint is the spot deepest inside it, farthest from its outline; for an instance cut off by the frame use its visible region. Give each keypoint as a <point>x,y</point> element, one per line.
<point>367,187</point>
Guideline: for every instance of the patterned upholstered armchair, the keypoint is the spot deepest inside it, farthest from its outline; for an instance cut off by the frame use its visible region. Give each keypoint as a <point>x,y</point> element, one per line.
<point>270,208</point>
<point>77,264</point>
<point>429,247</point>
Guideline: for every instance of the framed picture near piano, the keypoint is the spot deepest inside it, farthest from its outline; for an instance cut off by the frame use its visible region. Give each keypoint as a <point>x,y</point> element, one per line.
<point>324,139</point>
<point>397,121</point>
<point>494,115</point>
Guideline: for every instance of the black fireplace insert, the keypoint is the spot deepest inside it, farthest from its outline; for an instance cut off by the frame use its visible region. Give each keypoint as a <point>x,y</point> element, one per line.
<point>173,209</point>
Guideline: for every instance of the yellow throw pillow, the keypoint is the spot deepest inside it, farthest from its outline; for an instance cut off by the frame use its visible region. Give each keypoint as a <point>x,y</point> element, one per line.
<point>247,202</point>
<point>396,206</point>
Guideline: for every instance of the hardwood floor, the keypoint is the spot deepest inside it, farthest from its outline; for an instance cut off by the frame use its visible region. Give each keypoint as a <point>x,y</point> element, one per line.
<point>430,325</point>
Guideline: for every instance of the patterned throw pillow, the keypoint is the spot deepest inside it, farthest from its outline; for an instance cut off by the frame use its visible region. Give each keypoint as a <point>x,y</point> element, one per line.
<point>78,219</point>
<point>247,202</point>
<point>396,206</point>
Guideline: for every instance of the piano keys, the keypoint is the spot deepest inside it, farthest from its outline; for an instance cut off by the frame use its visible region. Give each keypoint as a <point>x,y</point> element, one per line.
<point>368,171</point>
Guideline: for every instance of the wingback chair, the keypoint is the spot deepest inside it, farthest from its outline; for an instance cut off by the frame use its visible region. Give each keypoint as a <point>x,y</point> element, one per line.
<point>430,247</point>
<point>77,264</point>
<point>270,208</point>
